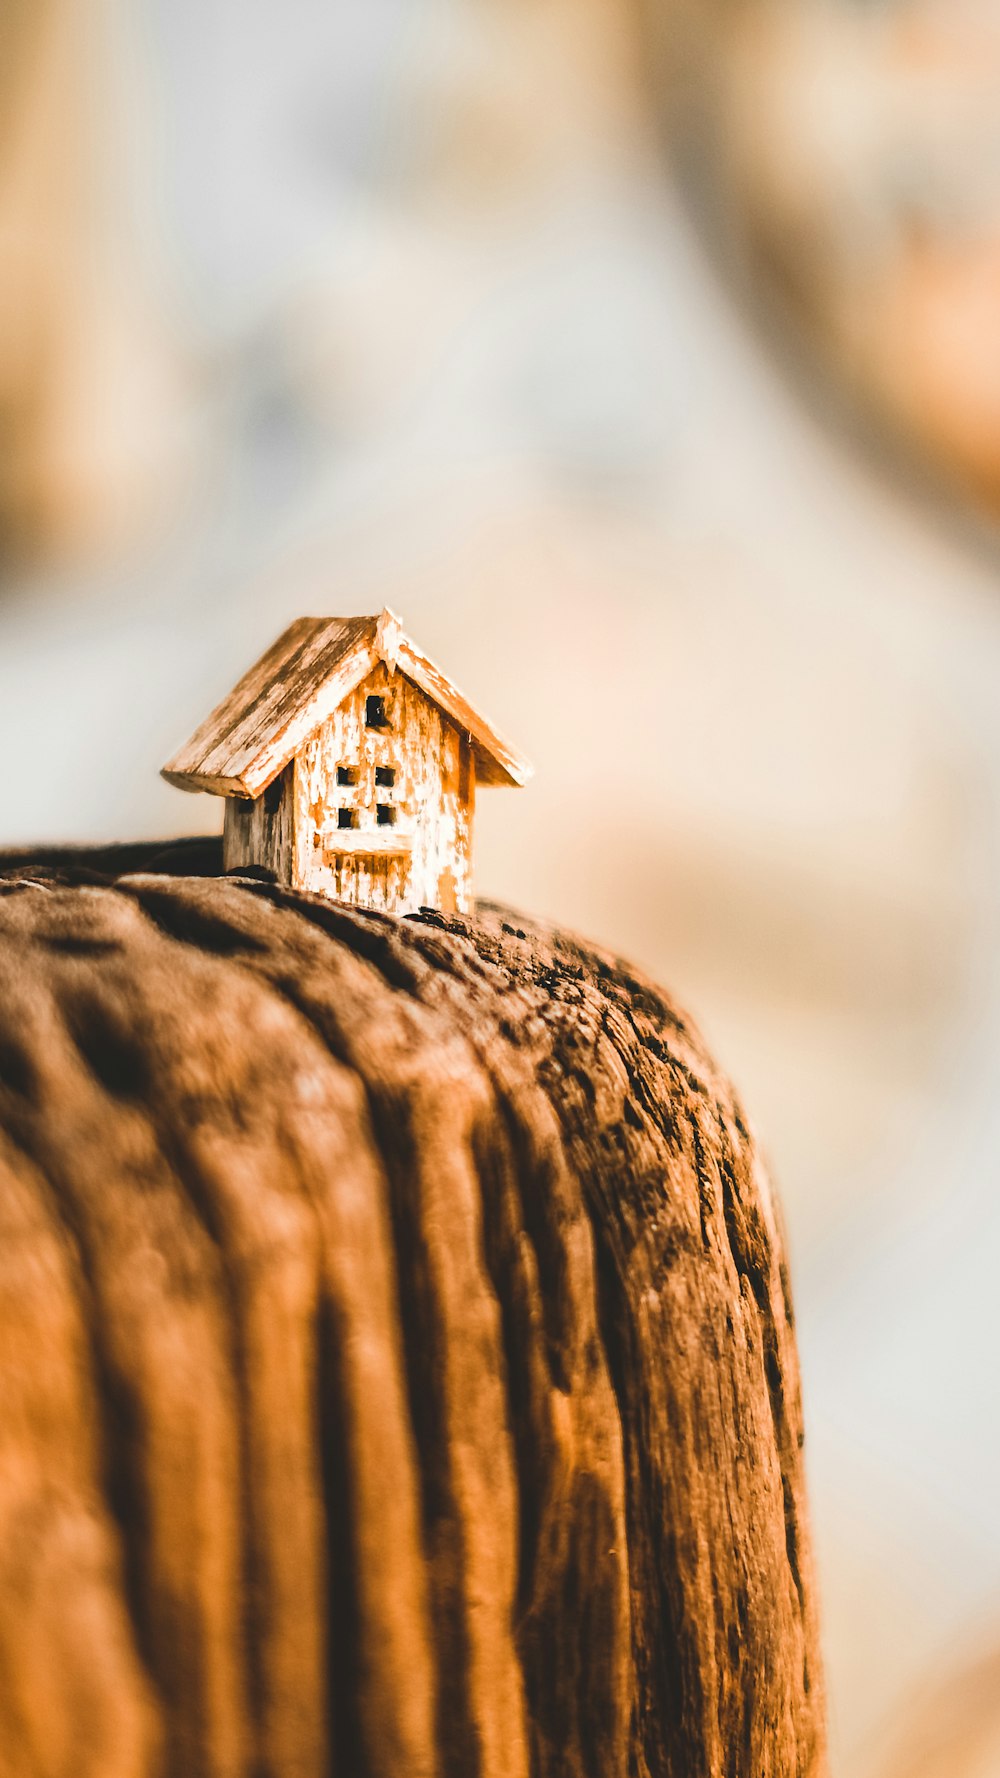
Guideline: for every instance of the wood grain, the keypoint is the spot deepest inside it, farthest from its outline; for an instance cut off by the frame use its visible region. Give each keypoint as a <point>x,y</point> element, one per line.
<point>398,1374</point>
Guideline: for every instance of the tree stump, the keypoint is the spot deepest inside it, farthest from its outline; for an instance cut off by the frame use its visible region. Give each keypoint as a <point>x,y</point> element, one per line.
<point>397,1375</point>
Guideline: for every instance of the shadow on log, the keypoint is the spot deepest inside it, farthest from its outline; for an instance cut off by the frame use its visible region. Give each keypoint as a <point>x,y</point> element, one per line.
<point>397,1373</point>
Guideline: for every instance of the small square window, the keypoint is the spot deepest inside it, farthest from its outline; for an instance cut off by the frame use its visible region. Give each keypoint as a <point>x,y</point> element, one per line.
<point>376,715</point>
<point>347,817</point>
<point>347,774</point>
<point>385,815</point>
<point>386,776</point>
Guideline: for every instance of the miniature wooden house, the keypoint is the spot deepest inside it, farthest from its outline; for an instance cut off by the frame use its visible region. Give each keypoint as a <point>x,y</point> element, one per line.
<point>349,764</point>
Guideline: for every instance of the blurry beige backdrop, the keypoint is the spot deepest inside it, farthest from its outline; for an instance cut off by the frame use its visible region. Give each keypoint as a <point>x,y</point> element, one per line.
<point>310,308</point>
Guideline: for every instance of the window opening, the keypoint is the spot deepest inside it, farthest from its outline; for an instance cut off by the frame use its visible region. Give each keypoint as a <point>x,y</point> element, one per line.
<point>385,815</point>
<point>272,797</point>
<point>376,715</point>
<point>347,774</point>
<point>386,776</point>
<point>347,817</point>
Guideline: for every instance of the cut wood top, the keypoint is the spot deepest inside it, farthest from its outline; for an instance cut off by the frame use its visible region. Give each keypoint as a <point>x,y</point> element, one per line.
<point>253,733</point>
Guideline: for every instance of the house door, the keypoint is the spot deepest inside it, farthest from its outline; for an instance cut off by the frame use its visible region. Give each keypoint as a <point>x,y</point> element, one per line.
<point>372,879</point>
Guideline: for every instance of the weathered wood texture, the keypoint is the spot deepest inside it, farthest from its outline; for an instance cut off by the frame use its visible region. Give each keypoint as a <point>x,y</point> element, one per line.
<point>428,856</point>
<point>297,685</point>
<point>420,769</point>
<point>261,830</point>
<point>397,1373</point>
<point>350,764</point>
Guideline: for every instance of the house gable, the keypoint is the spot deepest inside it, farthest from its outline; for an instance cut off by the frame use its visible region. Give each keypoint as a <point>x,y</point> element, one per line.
<point>409,842</point>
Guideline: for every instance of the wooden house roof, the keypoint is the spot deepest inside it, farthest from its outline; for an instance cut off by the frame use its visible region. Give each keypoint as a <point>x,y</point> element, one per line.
<point>251,736</point>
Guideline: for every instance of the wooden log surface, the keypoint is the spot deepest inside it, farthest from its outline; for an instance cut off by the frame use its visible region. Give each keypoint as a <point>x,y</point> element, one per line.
<point>397,1368</point>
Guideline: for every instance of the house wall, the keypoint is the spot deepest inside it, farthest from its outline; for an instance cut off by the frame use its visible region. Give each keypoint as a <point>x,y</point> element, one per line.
<point>260,831</point>
<point>434,798</point>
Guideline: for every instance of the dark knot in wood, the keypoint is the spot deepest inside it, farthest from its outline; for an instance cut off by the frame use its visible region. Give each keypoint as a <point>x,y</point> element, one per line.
<point>397,1375</point>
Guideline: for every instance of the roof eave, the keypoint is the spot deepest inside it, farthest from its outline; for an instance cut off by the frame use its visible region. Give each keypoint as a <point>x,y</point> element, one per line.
<point>260,767</point>
<point>512,774</point>
<point>496,760</point>
<point>203,781</point>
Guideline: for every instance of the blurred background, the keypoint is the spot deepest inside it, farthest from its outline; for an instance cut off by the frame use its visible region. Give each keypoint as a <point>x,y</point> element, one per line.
<point>646,357</point>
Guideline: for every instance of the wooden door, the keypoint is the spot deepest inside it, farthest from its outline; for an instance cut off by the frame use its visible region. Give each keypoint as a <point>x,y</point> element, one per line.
<point>372,879</point>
